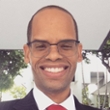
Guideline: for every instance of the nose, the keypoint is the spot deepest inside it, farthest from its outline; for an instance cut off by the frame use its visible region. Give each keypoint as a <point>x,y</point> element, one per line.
<point>54,54</point>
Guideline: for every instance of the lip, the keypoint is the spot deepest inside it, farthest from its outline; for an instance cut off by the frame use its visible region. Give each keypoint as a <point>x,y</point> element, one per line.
<point>54,75</point>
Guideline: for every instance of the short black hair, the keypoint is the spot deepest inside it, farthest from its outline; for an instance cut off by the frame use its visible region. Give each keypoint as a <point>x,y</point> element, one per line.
<point>29,28</point>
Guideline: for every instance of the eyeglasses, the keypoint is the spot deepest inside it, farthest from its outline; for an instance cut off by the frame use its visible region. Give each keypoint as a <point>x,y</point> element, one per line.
<point>41,48</point>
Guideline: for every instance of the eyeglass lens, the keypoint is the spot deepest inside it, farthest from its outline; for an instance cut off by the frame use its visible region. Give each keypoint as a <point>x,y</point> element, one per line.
<point>65,48</point>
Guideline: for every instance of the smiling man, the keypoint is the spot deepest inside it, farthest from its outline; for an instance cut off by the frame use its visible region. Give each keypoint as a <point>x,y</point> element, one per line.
<point>53,51</point>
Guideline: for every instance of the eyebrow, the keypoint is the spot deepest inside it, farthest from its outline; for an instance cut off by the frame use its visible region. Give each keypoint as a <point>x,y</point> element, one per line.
<point>37,40</point>
<point>47,41</point>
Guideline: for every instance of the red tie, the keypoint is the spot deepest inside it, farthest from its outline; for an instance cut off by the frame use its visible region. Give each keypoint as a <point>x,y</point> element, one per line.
<point>55,107</point>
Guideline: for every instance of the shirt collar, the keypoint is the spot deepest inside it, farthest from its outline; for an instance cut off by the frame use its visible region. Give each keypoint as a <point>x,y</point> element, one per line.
<point>40,98</point>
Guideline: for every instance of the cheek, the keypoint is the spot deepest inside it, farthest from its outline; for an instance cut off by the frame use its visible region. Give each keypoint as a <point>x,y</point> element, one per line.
<point>73,60</point>
<point>35,70</point>
<point>73,64</point>
<point>34,62</point>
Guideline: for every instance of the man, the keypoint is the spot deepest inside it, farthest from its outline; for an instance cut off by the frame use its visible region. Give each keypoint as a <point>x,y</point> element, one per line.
<point>53,51</point>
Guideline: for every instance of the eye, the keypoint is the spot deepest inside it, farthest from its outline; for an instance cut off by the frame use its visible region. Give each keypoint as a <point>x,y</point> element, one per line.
<point>40,46</point>
<point>66,46</point>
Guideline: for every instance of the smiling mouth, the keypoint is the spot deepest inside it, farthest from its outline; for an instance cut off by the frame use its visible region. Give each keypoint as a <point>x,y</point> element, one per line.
<point>54,69</point>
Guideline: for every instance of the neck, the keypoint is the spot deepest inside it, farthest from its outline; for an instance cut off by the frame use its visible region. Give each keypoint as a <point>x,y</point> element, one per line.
<point>58,97</point>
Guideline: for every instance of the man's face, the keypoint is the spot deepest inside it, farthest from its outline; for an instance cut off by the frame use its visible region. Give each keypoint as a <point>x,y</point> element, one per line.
<point>54,72</point>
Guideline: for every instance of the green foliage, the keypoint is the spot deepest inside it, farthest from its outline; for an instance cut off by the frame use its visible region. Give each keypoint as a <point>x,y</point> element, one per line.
<point>18,92</point>
<point>85,99</point>
<point>102,100</point>
<point>107,46</point>
<point>84,55</point>
<point>11,62</point>
<point>6,82</point>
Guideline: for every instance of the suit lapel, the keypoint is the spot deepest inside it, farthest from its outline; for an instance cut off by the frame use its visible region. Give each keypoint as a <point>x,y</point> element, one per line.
<point>28,103</point>
<point>78,105</point>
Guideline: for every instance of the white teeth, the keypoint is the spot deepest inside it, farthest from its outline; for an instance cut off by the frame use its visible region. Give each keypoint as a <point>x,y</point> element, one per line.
<point>54,70</point>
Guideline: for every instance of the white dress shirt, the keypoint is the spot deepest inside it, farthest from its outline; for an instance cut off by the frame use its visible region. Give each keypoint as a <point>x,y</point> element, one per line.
<point>43,101</point>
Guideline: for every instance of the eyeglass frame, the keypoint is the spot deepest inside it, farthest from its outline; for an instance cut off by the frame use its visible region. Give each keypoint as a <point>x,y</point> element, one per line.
<point>29,44</point>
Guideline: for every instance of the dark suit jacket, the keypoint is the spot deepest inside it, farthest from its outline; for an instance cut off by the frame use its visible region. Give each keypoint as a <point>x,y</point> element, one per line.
<point>28,103</point>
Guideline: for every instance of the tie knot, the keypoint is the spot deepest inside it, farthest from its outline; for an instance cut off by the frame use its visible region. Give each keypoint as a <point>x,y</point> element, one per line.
<point>55,107</point>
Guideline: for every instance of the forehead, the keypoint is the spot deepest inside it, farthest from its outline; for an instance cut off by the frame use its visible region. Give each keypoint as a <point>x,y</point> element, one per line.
<point>53,24</point>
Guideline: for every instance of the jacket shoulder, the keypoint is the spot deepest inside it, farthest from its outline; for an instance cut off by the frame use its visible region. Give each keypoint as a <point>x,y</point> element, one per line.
<point>7,105</point>
<point>80,106</point>
<point>90,108</point>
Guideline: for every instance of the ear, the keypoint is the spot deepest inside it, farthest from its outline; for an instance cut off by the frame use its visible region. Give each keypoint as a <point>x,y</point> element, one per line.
<point>26,53</point>
<point>80,58</point>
